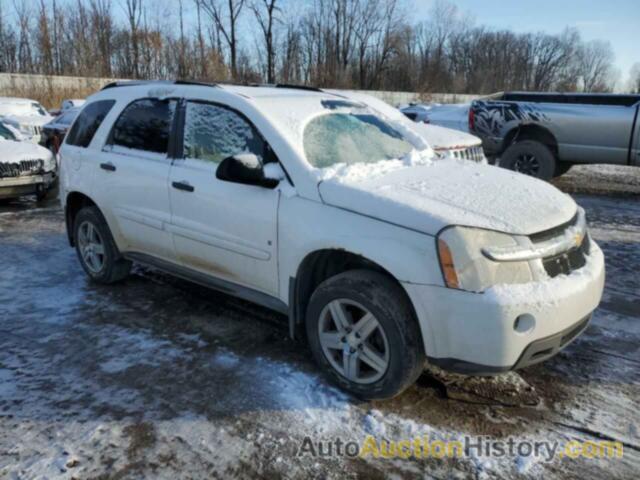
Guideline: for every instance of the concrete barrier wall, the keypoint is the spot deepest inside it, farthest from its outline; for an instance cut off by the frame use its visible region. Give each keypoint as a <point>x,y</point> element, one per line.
<point>402,98</point>
<point>12,82</point>
<point>19,81</point>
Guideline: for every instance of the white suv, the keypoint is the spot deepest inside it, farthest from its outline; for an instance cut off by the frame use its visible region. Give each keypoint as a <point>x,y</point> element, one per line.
<point>323,208</point>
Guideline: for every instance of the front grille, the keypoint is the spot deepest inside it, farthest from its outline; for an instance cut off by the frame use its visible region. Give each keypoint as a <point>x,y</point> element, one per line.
<point>24,167</point>
<point>567,262</point>
<point>474,154</point>
<point>553,232</point>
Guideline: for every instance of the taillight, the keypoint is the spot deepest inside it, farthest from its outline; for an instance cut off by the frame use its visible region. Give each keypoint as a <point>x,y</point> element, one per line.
<point>472,119</point>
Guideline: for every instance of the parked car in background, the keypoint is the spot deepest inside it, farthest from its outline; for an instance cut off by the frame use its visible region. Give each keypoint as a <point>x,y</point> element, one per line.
<point>13,132</point>
<point>53,132</point>
<point>28,116</point>
<point>72,103</point>
<point>452,142</point>
<point>454,116</point>
<point>25,168</point>
<point>544,134</point>
<point>67,105</point>
<point>329,211</point>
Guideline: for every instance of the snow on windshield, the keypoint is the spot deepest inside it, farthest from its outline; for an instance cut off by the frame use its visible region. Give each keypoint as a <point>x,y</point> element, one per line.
<point>350,138</point>
<point>5,133</point>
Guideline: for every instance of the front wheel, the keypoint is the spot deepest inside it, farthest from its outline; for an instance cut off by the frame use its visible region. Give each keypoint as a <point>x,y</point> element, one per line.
<point>96,249</point>
<point>364,335</point>
<point>531,158</point>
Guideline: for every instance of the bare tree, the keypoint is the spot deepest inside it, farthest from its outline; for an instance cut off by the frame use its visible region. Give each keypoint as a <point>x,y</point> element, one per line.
<point>595,61</point>
<point>332,43</point>
<point>634,78</point>
<point>133,11</point>
<point>265,12</point>
<point>102,31</point>
<point>225,18</point>
<point>24,16</point>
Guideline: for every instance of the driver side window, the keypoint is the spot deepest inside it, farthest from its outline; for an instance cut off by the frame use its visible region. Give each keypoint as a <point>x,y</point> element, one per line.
<point>213,133</point>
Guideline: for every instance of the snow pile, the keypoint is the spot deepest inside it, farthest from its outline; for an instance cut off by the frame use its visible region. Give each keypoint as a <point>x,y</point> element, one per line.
<point>357,172</point>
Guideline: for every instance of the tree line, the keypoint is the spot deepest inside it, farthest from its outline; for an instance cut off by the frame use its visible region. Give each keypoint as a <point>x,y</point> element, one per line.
<point>362,44</point>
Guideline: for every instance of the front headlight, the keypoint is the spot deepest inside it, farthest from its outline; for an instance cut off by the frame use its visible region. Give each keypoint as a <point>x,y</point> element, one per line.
<point>465,267</point>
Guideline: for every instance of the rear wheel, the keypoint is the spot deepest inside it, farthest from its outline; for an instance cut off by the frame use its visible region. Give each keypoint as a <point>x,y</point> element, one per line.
<point>363,333</point>
<point>96,249</point>
<point>530,158</point>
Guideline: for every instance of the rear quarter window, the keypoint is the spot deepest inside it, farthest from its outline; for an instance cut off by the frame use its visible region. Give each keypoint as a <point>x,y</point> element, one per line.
<point>88,123</point>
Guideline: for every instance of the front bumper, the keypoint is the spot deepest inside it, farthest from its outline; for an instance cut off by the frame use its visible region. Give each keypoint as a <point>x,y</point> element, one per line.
<point>475,333</point>
<point>12,187</point>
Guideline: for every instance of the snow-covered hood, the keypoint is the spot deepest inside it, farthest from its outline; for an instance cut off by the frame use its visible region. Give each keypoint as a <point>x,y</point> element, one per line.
<point>14,152</point>
<point>451,192</point>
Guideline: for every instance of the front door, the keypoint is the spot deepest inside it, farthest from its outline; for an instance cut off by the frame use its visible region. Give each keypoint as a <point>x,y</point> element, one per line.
<point>223,229</point>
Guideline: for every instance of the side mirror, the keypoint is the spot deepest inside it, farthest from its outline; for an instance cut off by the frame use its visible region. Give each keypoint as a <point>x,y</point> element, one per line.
<point>245,169</point>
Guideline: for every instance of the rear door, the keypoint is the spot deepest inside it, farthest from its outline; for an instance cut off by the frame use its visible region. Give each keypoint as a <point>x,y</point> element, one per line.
<point>132,175</point>
<point>223,229</point>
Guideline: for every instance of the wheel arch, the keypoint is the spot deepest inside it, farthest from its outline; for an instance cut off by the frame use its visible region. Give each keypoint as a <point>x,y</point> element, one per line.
<point>531,132</point>
<point>316,267</point>
<point>75,202</point>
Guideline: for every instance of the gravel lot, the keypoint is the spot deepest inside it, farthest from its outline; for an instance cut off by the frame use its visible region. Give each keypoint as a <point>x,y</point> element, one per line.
<point>159,378</point>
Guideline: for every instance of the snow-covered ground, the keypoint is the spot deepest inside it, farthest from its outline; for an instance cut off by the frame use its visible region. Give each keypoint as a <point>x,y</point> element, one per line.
<point>159,378</point>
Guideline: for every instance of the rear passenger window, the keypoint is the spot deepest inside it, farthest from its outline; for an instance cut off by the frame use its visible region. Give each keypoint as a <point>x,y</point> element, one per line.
<point>88,123</point>
<point>213,133</point>
<point>145,125</point>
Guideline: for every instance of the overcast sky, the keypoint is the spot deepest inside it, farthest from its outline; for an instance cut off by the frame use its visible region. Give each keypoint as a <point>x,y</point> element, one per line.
<point>615,20</point>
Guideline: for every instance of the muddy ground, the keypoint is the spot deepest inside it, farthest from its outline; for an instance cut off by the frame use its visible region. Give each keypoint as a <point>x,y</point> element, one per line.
<point>159,378</point>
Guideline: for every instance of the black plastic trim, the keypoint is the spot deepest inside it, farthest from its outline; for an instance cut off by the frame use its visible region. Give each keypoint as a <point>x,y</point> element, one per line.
<point>632,140</point>
<point>208,281</point>
<point>537,351</point>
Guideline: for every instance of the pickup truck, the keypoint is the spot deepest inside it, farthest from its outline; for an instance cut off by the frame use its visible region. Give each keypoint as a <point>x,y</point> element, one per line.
<point>544,134</point>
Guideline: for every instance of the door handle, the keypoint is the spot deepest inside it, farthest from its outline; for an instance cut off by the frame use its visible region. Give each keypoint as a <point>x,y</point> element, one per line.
<point>185,186</point>
<point>110,167</point>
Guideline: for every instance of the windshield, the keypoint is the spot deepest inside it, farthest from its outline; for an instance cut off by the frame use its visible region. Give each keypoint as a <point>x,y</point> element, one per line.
<point>5,133</point>
<point>351,137</point>
<point>39,109</point>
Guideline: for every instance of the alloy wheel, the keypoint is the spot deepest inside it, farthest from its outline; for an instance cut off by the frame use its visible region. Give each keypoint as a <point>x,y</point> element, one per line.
<point>353,341</point>
<point>527,164</point>
<point>91,247</point>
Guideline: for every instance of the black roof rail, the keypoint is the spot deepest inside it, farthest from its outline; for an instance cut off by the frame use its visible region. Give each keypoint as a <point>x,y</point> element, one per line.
<point>197,82</point>
<point>133,83</point>
<point>298,87</point>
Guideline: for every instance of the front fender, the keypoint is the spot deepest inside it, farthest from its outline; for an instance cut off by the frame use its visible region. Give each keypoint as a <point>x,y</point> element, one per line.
<point>306,226</point>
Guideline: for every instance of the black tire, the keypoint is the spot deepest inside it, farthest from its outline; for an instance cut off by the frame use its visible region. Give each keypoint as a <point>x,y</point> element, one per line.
<point>386,300</point>
<point>114,268</point>
<point>41,195</point>
<point>530,158</point>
